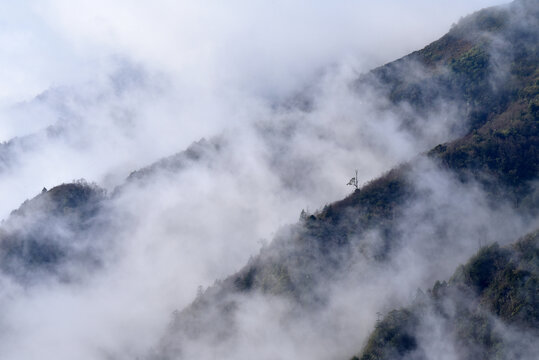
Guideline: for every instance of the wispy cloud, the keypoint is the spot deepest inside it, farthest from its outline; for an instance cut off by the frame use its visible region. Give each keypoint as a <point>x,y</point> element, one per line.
<point>127,83</point>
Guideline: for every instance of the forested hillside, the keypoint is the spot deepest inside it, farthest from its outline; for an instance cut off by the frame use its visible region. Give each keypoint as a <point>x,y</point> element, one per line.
<point>344,272</point>
<point>487,310</point>
<point>498,86</point>
<point>52,231</point>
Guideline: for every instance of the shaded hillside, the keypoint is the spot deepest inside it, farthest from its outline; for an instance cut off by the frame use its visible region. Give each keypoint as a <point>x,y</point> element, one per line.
<point>487,66</point>
<point>498,284</point>
<point>197,151</point>
<point>50,231</point>
<point>482,64</point>
<point>499,152</point>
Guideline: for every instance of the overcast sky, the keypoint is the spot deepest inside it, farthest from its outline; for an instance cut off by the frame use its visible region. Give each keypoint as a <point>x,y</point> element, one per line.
<point>200,66</point>
<point>261,46</point>
<point>128,82</point>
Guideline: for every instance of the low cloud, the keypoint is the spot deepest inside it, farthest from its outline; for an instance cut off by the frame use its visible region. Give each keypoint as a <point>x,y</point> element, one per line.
<point>143,82</point>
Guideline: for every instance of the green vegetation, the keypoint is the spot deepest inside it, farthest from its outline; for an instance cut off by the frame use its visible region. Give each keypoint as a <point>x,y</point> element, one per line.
<point>41,235</point>
<point>392,337</point>
<point>497,283</point>
<point>499,151</point>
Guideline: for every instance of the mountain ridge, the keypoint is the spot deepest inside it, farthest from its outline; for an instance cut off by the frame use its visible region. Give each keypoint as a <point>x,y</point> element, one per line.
<point>497,154</point>
<point>504,173</point>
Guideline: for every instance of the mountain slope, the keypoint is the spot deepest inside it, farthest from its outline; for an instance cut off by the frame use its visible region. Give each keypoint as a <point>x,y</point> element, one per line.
<point>52,231</point>
<point>498,155</point>
<point>487,65</point>
<point>488,300</point>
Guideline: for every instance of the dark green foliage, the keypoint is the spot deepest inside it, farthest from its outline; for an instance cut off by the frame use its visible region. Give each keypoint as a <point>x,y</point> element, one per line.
<point>464,66</point>
<point>41,235</point>
<point>505,137</point>
<point>506,149</point>
<point>513,293</point>
<point>471,71</point>
<point>501,282</point>
<point>392,337</point>
<point>481,269</point>
<point>376,201</point>
<point>506,279</point>
<point>79,199</point>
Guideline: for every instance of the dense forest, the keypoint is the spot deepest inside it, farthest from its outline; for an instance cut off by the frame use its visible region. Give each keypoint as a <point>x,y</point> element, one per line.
<point>421,211</point>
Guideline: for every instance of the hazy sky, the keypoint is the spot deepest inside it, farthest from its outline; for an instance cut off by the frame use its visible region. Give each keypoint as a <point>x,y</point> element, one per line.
<point>127,82</point>
<point>260,46</point>
<point>200,65</point>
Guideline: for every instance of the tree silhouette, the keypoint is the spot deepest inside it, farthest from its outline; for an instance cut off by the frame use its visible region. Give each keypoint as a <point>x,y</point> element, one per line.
<point>354,182</point>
